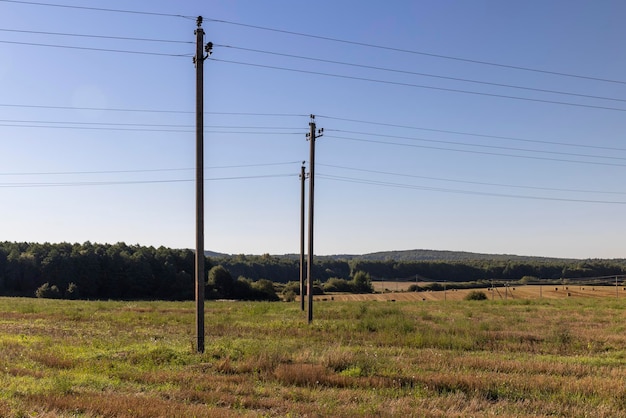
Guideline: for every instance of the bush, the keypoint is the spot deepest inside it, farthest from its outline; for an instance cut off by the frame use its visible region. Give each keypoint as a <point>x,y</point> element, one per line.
<point>48,292</point>
<point>264,290</point>
<point>335,284</point>
<point>72,292</point>
<point>291,287</point>
<point>415,288</point>
<point>476,295</point>
<point>289,296</point>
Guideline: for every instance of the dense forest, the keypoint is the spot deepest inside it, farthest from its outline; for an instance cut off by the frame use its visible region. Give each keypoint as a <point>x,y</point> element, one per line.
<point>121,271</point>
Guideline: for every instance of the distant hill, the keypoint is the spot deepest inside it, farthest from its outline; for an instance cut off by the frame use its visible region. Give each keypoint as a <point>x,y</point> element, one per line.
<point>417,255</point>
<point>437,255</point>
<point>215,254</point>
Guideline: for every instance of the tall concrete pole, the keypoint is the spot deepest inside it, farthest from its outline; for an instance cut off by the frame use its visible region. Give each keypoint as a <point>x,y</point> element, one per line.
<point>309,267</point>
<point>199,60</point>
<point>302,263</point>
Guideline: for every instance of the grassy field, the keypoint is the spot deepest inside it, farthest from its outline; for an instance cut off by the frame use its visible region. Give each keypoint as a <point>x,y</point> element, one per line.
<point>516,357</point>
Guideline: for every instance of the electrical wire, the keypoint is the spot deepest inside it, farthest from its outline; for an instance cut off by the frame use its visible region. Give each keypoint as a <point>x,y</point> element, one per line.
<point>109,109</point>
<point>421,86</point>
<point>98,9</point>
<point>106,128</point>
<point>79,35</point>
<point>129,182</point>
<point>392,70</point>
<point>142,124</point>
<point>323,116</point>
<point>475,152</point>
<point>465,192</point>
<point>153,170</point>
<point>305,58</point>
<point>551,189</point>
<point>570,154</point>
<point>123,51</point>
<point>408,51</point>
<point>394,125</point>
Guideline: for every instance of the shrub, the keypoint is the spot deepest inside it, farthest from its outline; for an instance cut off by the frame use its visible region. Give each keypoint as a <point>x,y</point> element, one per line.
<point>335,284</point>
<point>264,290</point>
<point>476,295</point>
<point>72,292</point>
<point>289,296</point>
<point>47,291</point>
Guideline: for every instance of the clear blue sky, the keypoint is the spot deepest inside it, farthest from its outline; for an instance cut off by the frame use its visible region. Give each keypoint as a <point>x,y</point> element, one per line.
<point>542,172</point>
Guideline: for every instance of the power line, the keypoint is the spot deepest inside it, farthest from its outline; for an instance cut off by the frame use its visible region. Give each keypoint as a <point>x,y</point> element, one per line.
<point>124,38</point>
<point>397,83</point>
<point>109,109</point>
<point>551,189</point>
<point>475,152</point>
<point>110,128</point>
<point>394,125</point>
<point>123,51</point>
<point>142,124</point>
<point>368,122</point>
<point>408,51</point>
<point>372,67</point>
<point>173,111</point>
<point>98,9</point>
<point>153,170</point>
<point>466,192</point>
<point>351,77</point>
<point>477,145</point>
<point>130,182</point>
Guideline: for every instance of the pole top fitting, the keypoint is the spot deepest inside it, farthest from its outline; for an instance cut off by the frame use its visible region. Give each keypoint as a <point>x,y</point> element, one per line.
<point>199,21</point>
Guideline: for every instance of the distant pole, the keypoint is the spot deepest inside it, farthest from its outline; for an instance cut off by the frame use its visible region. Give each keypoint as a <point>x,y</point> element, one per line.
<point>199,267</point>
<point>302,271</point>
<point>616,289</point>
<point>309,277</point>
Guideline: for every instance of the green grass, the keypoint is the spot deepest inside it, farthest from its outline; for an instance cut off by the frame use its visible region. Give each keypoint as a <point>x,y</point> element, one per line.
<point>466,358</point>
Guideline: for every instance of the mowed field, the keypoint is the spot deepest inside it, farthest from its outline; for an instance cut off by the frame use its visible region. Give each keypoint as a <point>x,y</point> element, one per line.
<point>398,291</point>
<point>520,357</point>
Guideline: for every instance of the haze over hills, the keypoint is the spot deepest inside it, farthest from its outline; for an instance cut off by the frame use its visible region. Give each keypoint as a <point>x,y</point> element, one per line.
<point>416,255</point>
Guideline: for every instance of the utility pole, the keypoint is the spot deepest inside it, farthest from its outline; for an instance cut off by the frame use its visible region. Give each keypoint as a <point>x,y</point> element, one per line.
<point>309,277</point>
<point>199,267</point>
<point>302,270</point>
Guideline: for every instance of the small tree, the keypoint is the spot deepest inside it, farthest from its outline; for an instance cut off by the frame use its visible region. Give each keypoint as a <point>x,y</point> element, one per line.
<point>362,282</point>
<point>221,282</point>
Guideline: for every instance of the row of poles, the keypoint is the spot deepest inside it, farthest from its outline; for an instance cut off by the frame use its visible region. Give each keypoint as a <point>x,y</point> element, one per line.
<point>202,53</point>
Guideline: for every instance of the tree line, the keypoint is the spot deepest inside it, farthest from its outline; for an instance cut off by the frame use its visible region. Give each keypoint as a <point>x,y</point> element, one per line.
<point>126,272</point>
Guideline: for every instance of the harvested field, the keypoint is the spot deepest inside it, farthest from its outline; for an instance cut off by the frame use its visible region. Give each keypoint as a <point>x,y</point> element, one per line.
<point>498,293</point>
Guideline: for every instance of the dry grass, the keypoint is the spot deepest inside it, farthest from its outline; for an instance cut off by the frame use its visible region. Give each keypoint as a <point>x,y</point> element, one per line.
<point>512,293</point>
<point>521,357</point>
